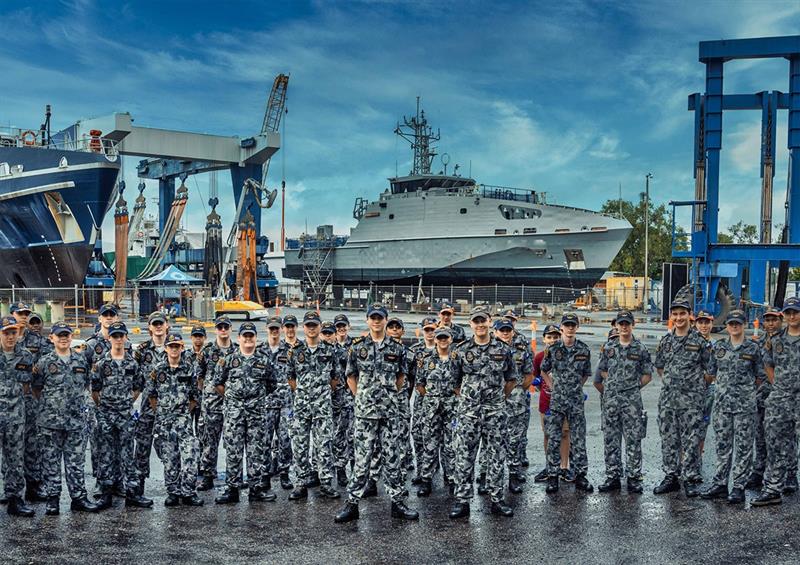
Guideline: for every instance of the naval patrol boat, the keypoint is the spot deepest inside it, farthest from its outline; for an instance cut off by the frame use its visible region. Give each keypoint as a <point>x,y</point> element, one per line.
<point>440,229</point>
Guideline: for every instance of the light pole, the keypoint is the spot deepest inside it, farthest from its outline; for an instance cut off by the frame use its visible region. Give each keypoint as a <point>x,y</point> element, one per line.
<point>647,178</point>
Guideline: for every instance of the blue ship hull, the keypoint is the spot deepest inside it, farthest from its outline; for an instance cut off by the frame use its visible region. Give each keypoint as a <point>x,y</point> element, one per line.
<point>49,212</point>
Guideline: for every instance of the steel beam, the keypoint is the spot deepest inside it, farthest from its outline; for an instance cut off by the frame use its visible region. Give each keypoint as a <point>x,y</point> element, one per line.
<point>754,48</point>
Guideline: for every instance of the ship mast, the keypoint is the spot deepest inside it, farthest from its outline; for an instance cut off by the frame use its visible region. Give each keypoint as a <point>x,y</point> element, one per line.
<point>417,132</point>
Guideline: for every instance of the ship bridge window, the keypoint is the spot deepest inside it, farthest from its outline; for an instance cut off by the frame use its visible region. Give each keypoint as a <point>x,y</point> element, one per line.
<point>372,214</point>
<point>462,211</point>
<point>391,216</point>
<point>500,231</point>
<point>519,212</point>
<point>528,230</point>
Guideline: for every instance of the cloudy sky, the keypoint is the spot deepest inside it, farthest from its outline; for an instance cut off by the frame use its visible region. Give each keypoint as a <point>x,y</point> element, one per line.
<point>570,97</point>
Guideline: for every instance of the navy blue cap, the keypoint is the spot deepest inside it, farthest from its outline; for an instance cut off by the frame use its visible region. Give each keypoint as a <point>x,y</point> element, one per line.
<point>198,330</point>
<point>173,338</point>
<point>704,315</point>
<point>290,320</point>
<point>443,331</point>
<point>680,304</point>
<point>248,328</point>
<point>446,306</point>
<point>35,316</point>
<point>736,316</point>
<point>311,317</point>
<point>8,322</point>
<point>551,329</point>
<point>107,307</point>
<point>20,307</point>
<point>58,328</point>
<point>791,303</point>
<point>772,311</point>
<point>118,328</point>
<point>429,321</point>
<point>156,317</point>
<point>222,321</point>
<point>503,324</point>
<point>328,328</point>
<point>570,318</point>
<point>511,314</point>
<point>274,322</point>
<point>377,308</point>
<point>396,320</point>
<point>624,316</point>
<point>341,319</point>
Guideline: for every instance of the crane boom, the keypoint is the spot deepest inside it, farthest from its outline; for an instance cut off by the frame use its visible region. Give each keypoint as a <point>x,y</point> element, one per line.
<point>276,104</point>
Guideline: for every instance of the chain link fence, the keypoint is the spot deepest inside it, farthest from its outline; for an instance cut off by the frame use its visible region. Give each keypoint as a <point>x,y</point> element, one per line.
<point>78,305</point>
<point>427,298</point>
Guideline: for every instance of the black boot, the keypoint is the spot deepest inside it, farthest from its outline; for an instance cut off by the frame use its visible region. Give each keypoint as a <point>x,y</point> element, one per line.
<point>286,483</point>
<point>82,504</point>
<point>635,485</point>
<point>670,483</point>
<point>514,484</point>
<point>140,488</point>
<point>400,510</point>
<point>790,485</point>
<point>371,490</point>
<point>3,499</point>
<point>482,484</point>
<point>416,481</point>
<point>52,507</point>
<point>716,491</point>
<point>261,493</point>
<point>118,489</point>
<point>207,483</point>
<point>736,496</point>
<point>459,510</point>
<point>33,492</point>
<point>172,500</point>
<point>300,493</point>
<point>610,485</point>
<point>754,482</point>
<point>766,498</point>
<point>341,476</point>
<point>327,491</point>
<point>691,489</point>
<point>314,482</point>
<point>541,476</point>
<point>229,496</point>
<point>425,488</point>
<point>500,507</point>
<point>137,500</point>
<point>192,500</point>
<point>582,483</point>
<point>104,500</point>
<point>16,507</point>
<point>347,514</point>
<point>552,484</point>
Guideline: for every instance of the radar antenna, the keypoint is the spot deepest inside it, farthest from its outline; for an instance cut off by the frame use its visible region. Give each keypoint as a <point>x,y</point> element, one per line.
<point>417,132</point>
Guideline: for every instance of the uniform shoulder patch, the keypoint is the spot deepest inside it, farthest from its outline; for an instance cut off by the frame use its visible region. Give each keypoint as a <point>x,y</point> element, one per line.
<point>357,340</point>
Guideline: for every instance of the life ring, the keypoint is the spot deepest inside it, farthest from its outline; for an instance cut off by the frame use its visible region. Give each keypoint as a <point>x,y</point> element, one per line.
<point>28,137</point>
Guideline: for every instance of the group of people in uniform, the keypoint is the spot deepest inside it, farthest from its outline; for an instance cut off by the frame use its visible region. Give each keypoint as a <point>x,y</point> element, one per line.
<point>345,412</point>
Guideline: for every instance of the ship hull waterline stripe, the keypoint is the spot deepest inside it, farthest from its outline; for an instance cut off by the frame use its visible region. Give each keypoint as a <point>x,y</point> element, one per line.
<point>68,169</point>
<point>37,189</point>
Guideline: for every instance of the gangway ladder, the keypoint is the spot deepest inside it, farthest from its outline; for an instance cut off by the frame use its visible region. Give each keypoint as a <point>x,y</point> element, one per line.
<point>316,273</point>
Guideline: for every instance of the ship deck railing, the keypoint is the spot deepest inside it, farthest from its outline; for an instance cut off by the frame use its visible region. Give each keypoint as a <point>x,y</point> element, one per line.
<point>12,137</point>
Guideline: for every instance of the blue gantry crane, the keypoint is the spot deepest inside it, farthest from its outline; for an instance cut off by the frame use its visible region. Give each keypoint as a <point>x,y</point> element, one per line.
<point>724,275</point>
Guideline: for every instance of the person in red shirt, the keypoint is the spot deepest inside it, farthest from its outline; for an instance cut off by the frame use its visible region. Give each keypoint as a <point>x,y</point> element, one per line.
<point>551,333</point>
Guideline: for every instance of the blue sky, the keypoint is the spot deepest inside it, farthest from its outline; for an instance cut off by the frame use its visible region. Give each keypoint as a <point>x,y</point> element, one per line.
<point>571,97</point>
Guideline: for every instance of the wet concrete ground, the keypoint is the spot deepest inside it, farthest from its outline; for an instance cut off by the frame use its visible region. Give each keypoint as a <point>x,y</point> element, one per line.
<point>567,527</point>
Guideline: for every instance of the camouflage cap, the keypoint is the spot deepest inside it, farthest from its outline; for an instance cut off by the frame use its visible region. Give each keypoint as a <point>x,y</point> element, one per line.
<point>20,307</point>
<point>704,315</point>
<point>222,321</point>
<point>198,330</point>
<point>443,332</point>
<point>624,316</point>
<point>377,308</point>
<point>248,328</point>
<point>772,311</point>
<point>551,329</point>
<point>429,321</point>
<point>570,318</point>
<point>59,328</point>
<point>156,317</point>
<point>511,314</point>
<point>174,338</point>
<point>274,322</point>
<point>736,317</point>
<point>35,316</point>
<point>108,307</point>
<point>290,320</point>
<point>311,317</point>
<point>479,312</point>
<point>8,323</point>
<point>396,320</point>
<point>680,304</point>
<point>341,319</point>
<point>791,303</point>
<point>118,328</point>
<point>446,307</point>
<point>328,328</point>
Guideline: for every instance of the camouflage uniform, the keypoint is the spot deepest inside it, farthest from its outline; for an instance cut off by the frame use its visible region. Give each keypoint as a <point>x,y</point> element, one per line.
<point>517,407</point>
<point>458,333</point>
<point>782,352</point>
<point>568,368</point>
<point>194,357</point>
<point>402,398</point>
<point>116,381</point>
<point>685,361</point>
<point>762,392</point>
<point>736,369</point>
<point>519,338</point>
<point>437,414</point>
<point>342,444</point>
<point>376,366</point>
<point>37,346</point>
<point>278,417</point>
<point>147,355</point>
<point>313,371</point>
<point>15,371</point>
<point>481,372</point>
<point>211,411</point>
<point>247,379</point>
<point>417,352</point>
<point>62,386</point>
<point>622,409</point>
<point>177,447</point>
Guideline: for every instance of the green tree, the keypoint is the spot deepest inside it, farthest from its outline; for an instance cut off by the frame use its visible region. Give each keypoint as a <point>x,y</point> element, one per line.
<point>630,259</point>
<point>743,233</point>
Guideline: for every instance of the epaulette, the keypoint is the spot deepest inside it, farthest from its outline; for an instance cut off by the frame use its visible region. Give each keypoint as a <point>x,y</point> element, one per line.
<point>357,340</point>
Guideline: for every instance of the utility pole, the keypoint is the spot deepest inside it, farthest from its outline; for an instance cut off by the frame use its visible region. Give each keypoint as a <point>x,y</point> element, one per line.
<point>646,296</point>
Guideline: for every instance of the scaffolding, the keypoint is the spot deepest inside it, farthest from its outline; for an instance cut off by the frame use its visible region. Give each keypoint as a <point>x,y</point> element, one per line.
<point>315,253</point>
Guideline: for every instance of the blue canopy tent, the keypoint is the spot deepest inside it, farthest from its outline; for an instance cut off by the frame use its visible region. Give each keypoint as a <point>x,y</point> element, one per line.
<point>166,290</point>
